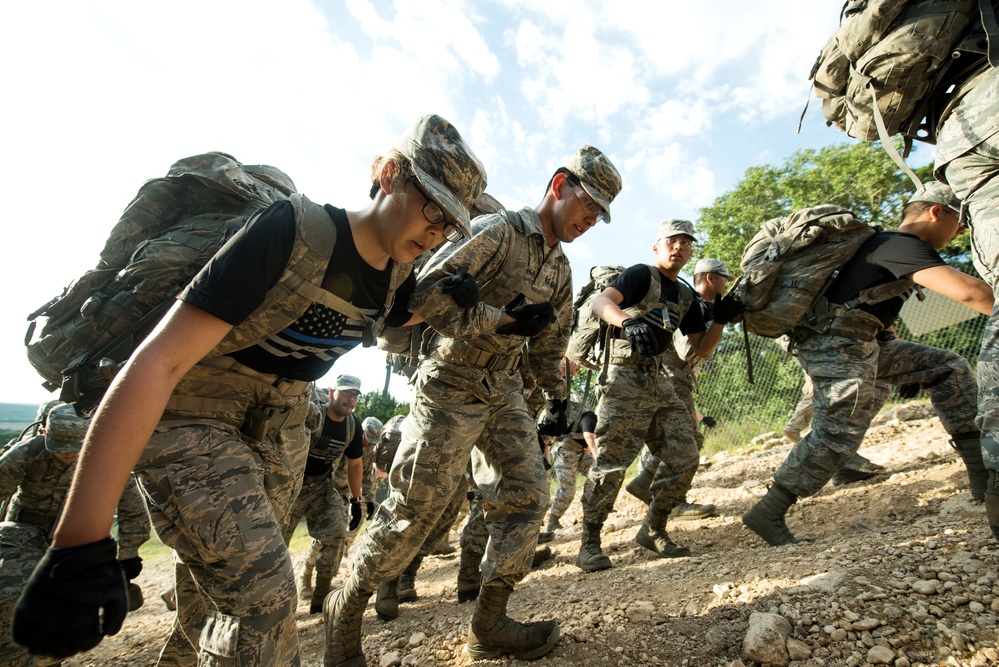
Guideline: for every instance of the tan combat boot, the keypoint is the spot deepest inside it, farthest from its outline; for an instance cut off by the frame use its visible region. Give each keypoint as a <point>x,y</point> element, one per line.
<point>493,633</point>
<point>387,600</point>
<point>766,518</point>
<point>653,536</point>
<point>343,612</point>
<point>469,575</point>
<point>407,581</point>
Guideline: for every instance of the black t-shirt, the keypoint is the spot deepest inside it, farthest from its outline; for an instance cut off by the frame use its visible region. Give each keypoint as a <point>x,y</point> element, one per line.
<point>587,423</point>
<point>634,283</point>
<point>883,258</point>
<point>331,444</point>
<point>234,282</point>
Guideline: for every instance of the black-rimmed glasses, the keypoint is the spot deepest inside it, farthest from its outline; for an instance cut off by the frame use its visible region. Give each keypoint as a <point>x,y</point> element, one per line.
<point>434,214</point>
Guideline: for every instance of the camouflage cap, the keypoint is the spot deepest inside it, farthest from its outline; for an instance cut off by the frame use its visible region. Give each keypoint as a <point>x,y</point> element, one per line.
<point>668,228</point>
<point>372,427</point>
<point>598,176</point>
<point>45,408</point>
<point>485,204</point>
<point>445,167</point>
<point>712,265</point>
<point>347,383</point>
<point>65,430</point>
<point>938,193</point>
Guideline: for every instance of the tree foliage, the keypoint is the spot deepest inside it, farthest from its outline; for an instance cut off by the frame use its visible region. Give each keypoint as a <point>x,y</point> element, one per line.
<point>375,404</point>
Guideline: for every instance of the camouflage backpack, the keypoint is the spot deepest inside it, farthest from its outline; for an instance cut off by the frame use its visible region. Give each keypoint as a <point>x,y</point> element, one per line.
<point>790,263</point>
<point>173,226</point>
<point>891,65</point>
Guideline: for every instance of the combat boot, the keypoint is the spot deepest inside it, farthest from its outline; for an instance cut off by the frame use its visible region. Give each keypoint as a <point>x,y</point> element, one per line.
<point>407,581</point>
<point>343,612</point>
<point>541,556</point>
<point>319,593</point>
<point>492,633</point>
<point>641,485</point>
<point>469,575</point>
<point>305,583</point>
<point>766,518</point>
<point>387,600</point>
<point>969,446</point>
<point>653,536</point>
<point>553,524</point>
<point>590,557</point>
<point>691,511</point>
<point>992,502</point>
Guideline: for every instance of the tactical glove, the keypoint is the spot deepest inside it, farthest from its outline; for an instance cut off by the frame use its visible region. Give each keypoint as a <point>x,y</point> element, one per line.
<point>463,289</point>
<point>531,319</point>
<point>640,335</point>
<point>355,514</point>
<point>131,567</point>
<point>727,309</point>
<point>370,510</point>
<point>75,597</point>
<point>909,390</point>
<point>708,421</point>
<point>554,422</point>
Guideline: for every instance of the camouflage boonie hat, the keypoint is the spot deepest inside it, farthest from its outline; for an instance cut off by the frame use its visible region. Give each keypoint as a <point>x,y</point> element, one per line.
<point>347,383</point>
<point>445,167</point>
<point>372,427</point>
<point>64,430</point>
<point>712,265</point>
<point>598,176</point>
<point>668,228</point>
<point>935,192</point>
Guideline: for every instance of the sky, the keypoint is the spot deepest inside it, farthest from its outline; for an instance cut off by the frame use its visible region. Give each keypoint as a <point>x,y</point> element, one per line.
<point>101,96</point>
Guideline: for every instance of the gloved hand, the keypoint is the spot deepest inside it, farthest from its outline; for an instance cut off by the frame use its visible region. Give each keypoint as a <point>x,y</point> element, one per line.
<point>640,335</point>
<point>708,421</point>
<point>531,319</point>
<point>727,309</point>
<point>554,422</point>
<point>131,567</point>
<point>371,507</point>
<point>909,390</point>
<point>463,289</point>
<point>355,514</point>
<point>75,597</point>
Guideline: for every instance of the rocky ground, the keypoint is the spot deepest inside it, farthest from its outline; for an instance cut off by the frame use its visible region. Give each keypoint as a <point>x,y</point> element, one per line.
<point>903,571</point>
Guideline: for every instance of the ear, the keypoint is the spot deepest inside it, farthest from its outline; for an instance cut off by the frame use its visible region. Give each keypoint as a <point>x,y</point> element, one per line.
<point>387,176</point>
<point>558,185</point>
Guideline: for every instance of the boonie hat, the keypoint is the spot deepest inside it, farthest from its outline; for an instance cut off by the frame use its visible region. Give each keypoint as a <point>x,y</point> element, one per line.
<point>445,167</point>
<point>936,192</point>
<point>598,176</point>
<point>372,427</point>
<point>712,265</point>
<point>668,228</point>
<point>64,430</point>
<point>347,383</point>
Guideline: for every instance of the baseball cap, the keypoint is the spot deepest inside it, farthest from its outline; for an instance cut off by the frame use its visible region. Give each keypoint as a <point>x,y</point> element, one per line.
<point>598,176</point>
<point>445,167</point>
<point>935,192</point>
<point>347,383</point>
<point>712,265</point>
<point>372,427</point>
<point>65,430</point>
<point>668,228</point>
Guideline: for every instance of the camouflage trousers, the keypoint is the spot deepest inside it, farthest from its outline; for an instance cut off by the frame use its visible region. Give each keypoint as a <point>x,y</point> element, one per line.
<point>844,372</point>
<point>638,405</point>
<point>21,547</point>
<point>326,518</point>
<point>685,392</point>
<point>805,409</point>
<point>569,458</point>
<point>447,425</point>
<point>475,534</point>
<point>974,177</point>
<point>221,502</point>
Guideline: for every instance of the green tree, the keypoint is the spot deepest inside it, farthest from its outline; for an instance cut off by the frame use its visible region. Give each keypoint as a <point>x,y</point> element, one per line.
<point>375,404</point>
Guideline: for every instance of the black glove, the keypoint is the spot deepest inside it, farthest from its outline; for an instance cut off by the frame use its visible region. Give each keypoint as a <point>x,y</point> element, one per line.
<point>727,309</point>
<point>60,610</point>
<point>463,289</point>
<point>370,510</point>
<point>554,422</point>
<point>708,421</point>
<point>355,514</point>
<point>909,390</point>
<point>641,336</point>
<point>131,567</point>
<point>531,319</point>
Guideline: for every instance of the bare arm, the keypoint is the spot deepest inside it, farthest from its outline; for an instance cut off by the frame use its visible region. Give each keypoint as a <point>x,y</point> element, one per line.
<point>126,417</point>
<point>704,343</point>
<point>957,285</point>
<point>606,307</point>
<point>591,443</point>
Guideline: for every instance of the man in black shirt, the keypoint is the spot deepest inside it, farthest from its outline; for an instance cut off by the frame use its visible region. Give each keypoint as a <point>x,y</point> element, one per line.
<point>845,361</point>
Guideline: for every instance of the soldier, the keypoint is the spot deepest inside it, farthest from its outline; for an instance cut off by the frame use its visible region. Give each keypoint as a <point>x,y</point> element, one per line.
<point>645,305</point>
<point>340,435</point>
<point>573,455</point>
<point>468,401</point>
<point>209,409</point>
<point>38,472</point>
<point>844,362</point>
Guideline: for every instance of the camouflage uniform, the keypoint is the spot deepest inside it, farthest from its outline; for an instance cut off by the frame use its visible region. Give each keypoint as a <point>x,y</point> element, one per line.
<point>570,457</point>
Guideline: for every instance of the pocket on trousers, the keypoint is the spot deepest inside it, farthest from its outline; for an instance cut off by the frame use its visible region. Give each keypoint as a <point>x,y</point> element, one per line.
<point>220,641</point>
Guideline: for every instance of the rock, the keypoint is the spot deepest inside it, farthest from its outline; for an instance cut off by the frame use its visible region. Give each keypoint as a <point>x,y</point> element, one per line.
<point>640,611</point>
<point>390,659</point>
<point>827,582</point>
<point>926,587</point>
<point>417,639</point>
<point>880,655</point>
<point>976,607</point>
<point>798,650</point>
<point>766,638</point>
<point>866,624</point>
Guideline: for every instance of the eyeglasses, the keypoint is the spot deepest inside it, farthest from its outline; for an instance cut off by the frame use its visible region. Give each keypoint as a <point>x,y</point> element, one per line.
<point>684,241</point>
<point>590,207</point>
<point>433,214</point>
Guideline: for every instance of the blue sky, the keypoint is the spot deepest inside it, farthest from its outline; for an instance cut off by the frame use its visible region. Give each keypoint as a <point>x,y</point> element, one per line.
<point>101,96</point>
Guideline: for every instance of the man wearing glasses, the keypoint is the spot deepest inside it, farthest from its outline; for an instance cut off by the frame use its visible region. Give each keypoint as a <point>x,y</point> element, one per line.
<point>468,402</point>
<point>645,305</point>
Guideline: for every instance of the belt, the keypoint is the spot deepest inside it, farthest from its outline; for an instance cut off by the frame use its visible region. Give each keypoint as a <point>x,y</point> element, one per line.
<point>282,385</point>
<point>467,355</point>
